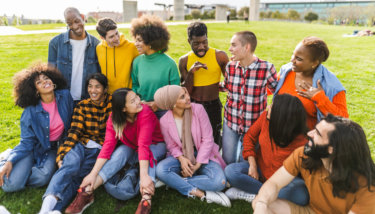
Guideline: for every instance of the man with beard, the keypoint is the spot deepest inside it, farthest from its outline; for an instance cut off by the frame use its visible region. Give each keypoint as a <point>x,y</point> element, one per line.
<point>115,54</point>
<point>201,71</point>
<point>337,168</point>
<point>74,54</point>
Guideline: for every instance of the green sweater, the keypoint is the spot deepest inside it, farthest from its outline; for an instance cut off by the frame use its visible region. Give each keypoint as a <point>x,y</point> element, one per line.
<point>151,72</point>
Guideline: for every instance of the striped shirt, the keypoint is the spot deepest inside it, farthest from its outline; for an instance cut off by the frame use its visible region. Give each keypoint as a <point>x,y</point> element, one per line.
<point>88,123</point>
<point>247,95</point>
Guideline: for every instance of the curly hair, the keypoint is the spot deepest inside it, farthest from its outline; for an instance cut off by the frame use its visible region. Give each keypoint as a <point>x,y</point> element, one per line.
<point>25,92</point>
<point>104,25</point>
<point>318,48</point>
<point>153,31</point>
<point>197,29</point>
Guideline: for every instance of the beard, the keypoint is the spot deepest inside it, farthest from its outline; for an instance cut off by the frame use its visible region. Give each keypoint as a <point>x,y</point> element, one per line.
<point>316,151</point>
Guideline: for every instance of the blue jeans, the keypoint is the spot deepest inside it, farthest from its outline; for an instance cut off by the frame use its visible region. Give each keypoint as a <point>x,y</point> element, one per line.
<point>209,177</point>
<point>77,163</point>
<point>237,175</point>
<point>231,145</point>
<point>121,184</point>
<point>26,173</point>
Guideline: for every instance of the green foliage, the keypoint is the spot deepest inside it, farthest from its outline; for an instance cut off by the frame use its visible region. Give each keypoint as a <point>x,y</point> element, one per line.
<point>188,17</point>
<point>91,19</point>
<point>208,14</point>
<point>277,15</point>
<point>233,14</point>
<point>196,14</point>
<point>5,20</point>
<point>311,16</point>
<point>293,15</point>
<point>276,42</point>
<point>243,11</point>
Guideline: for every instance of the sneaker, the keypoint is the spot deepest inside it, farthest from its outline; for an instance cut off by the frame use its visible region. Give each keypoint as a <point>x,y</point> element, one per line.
<point>144,207</point>
<point>234,194</point>
<point>54,212</point>
<point>159,183</point>
<point>218,198</point>
<point>80,203</point>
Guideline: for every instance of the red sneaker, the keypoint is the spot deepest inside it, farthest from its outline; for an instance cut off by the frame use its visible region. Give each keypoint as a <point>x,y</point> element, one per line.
<point>144,207</point>
<point>80,203</point>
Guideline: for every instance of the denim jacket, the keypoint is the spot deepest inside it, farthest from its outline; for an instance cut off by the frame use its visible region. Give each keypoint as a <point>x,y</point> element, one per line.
<point>329,82</point>
<point>35,128</point>
<point>60,55</point>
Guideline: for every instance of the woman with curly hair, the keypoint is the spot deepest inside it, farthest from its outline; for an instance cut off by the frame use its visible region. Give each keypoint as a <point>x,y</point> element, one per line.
<point>46,118</point>
<point>306,78</point>
<point>153,69</point>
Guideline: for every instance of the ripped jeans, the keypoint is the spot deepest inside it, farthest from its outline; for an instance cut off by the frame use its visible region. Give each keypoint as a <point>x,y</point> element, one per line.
<point>209,177</point>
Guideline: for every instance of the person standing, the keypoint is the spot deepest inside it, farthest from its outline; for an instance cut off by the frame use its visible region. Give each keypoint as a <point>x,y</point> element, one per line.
<point>245,80</point>
<point>115,55</point>
<point>201,71</point>
<point>74,54</point>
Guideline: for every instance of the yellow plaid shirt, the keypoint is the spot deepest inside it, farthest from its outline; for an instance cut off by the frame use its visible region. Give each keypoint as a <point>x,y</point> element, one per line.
<point>88,123</point>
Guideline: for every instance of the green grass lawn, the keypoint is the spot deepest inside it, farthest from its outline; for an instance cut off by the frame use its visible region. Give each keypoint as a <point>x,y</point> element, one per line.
<point>351,59</point>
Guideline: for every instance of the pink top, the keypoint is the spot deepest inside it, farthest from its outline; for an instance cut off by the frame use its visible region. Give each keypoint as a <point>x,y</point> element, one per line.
<point>202,136</point>
<point>56,125</point>
<point>139,135</point>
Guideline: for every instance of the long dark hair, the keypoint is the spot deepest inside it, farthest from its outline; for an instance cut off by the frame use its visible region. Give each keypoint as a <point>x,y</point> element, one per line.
<point>25,92</point>
<point>118,115</point>
<point>350,159</point>
<point>287,120</point>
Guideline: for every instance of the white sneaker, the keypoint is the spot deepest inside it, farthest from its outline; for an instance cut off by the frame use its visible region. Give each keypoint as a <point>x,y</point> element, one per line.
<point>233,193</point>
<point>218,198</point>
<point>54,212</point>
<point>159,183</point>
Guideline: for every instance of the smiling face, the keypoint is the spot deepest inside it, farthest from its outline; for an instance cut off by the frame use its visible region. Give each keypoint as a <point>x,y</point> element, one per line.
<point>183,100</point>
<point>318,145</point>
<point>199,45</point>
<point>96,91</point>
<point>302,60</point>
<point>44,84</point>
<point>132,103</point>
<point>140,45</point>
<point>76,25</point>
<point>112,38</point>
<point>239,52</point>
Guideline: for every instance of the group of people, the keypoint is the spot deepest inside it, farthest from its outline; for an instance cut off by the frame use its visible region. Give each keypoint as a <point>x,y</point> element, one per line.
<point>118,114</point>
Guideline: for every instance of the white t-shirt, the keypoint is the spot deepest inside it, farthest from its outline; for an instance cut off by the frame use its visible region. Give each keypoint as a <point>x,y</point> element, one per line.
<point>179,126</point>
<point>78,57</point>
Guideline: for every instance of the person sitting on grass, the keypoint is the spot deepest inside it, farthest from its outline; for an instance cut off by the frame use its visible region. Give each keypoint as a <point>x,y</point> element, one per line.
<point>46,118</point>
<point>137,129</point>
<point>272,138</point>
<point>194,166</point>
<point>77,155</point>
<point>319,90</point>
<point>336,166</point>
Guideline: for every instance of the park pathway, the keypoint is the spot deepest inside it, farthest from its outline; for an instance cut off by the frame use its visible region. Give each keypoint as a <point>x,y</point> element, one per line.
<point>10,30</point>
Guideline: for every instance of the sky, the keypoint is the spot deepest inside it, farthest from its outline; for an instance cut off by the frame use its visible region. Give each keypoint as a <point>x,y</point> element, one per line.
<point>54,9</point>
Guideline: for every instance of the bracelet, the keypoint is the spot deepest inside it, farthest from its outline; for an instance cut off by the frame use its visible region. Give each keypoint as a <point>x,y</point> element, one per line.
<point>263,202</point>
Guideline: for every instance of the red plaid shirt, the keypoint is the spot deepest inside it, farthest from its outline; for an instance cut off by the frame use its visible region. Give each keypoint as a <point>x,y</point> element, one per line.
<point>247,95</point>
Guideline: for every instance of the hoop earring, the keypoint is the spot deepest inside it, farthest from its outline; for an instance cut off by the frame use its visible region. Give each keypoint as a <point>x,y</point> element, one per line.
<point>54,86</point>
<point>37,94</point>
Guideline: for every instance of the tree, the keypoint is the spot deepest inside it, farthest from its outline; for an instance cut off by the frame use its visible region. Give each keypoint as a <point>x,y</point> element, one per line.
<point>310,16</point>
<point>277,15</point>
<point>196,14</point>
<point>243,11</point>
<point>91,20</point>
<point>5,20</point>
<point>293,15</point>
<point>233,14</point>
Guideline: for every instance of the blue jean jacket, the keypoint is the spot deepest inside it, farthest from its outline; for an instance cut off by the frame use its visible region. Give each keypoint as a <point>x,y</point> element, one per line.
<point>35,128</point>
<point>60,55</point>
